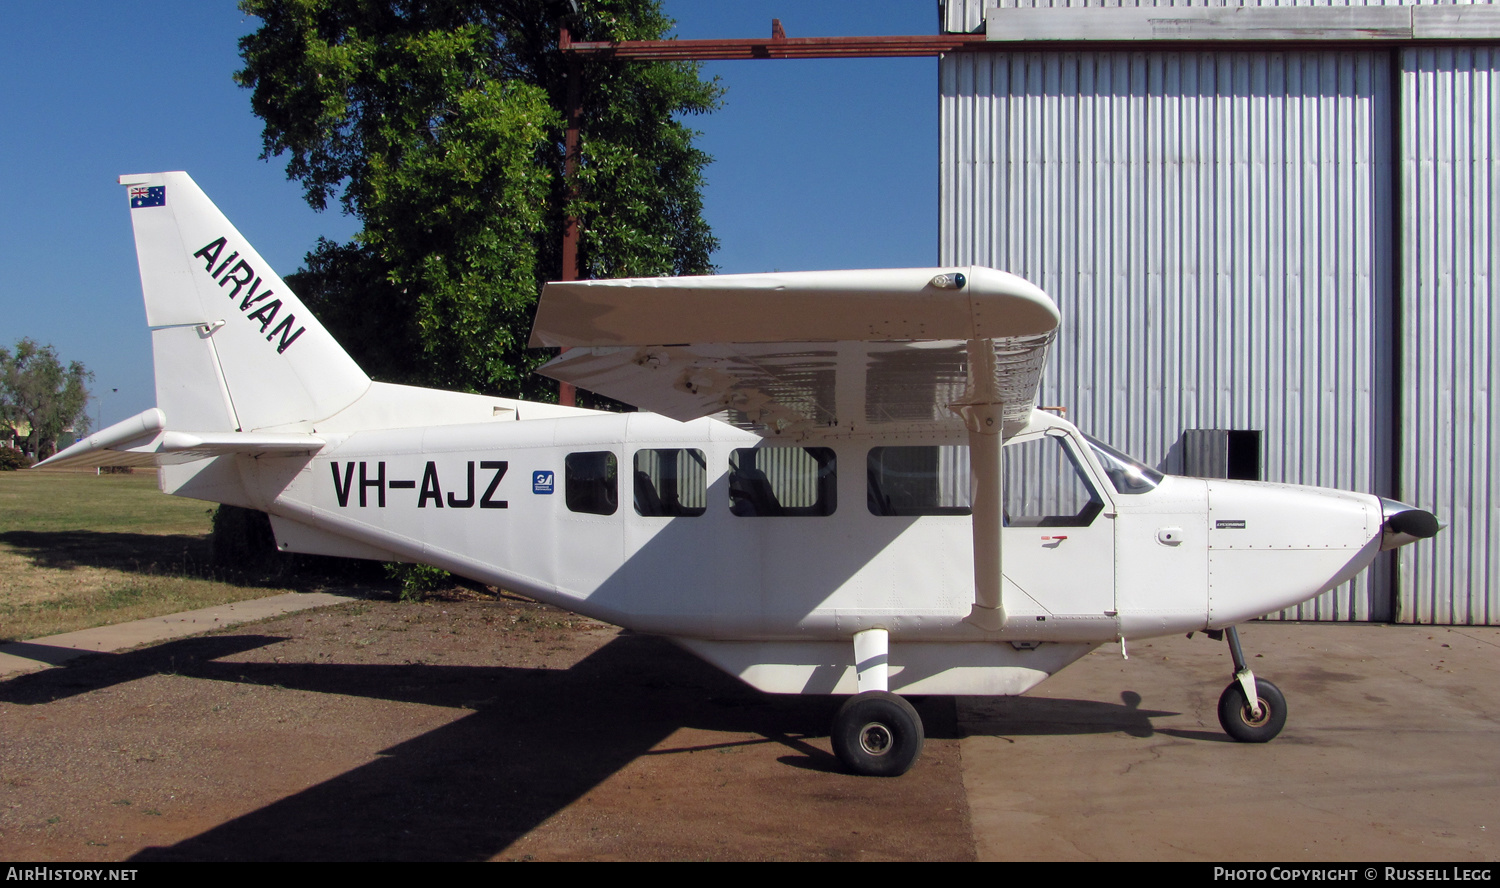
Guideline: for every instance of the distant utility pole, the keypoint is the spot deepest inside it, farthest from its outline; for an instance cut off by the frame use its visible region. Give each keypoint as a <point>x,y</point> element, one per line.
<point>99,420</point>
<point>99,409</point>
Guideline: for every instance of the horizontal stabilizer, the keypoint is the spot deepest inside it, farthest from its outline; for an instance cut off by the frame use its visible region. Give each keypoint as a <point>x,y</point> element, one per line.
<point>144,440</point>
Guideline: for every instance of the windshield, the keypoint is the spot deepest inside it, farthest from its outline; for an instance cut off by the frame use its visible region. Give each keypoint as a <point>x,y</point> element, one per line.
<point>1127,474</point>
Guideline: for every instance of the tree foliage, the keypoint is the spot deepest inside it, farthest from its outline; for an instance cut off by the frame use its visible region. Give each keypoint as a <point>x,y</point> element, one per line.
<point>12,459</point>
<point>440,125</point>
<point>38,393</point>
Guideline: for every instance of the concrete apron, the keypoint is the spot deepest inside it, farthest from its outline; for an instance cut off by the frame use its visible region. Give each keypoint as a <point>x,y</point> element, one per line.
<point>40,653</point>
<point>1391,751</point>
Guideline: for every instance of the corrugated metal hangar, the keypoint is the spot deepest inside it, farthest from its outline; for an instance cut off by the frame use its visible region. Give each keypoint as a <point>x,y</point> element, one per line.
<point>1277,220</point>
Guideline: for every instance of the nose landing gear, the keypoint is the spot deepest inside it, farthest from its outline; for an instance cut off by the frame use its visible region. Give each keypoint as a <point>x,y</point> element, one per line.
<point>1255,723</point>
<point>1251,710</point>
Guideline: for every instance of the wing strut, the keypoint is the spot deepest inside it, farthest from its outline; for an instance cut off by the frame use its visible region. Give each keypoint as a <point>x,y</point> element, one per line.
<point>982,411</point>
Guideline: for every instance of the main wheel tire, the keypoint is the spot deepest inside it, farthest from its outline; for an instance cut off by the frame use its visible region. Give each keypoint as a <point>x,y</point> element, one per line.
<point>1252,727</point>
<point>877,734</point>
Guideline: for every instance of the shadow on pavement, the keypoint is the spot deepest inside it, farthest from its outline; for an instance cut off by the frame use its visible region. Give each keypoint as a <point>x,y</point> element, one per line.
<point>1032,716</point>
<point>536,741</point>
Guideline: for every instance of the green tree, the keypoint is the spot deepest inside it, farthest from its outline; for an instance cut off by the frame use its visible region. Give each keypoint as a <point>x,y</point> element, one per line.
<point>40,395</point>
<point>440,125</point>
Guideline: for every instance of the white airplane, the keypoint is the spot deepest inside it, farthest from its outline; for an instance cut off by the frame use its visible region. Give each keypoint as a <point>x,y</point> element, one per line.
<point>844,485</point>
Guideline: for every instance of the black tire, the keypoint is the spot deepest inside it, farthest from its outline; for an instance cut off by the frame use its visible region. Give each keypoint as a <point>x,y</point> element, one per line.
<point>877,734</point>
<point>1252,727</point>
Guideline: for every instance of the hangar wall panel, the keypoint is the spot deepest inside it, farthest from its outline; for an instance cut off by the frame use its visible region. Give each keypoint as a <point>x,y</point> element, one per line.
<point>1450,379</point>
<point>967,16</point>
<point>1208,223</point>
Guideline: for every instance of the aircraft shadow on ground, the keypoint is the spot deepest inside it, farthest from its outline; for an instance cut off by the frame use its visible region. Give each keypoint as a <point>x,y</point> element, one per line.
<point>1044,716</point>
<point>155,555</point>
<point>536,741</point>
<point>92,672</point>
<point>135,552</point>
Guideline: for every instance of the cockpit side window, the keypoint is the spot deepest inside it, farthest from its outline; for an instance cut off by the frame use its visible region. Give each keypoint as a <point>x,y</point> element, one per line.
<point>1044,486</point>
<point>1126,474</point>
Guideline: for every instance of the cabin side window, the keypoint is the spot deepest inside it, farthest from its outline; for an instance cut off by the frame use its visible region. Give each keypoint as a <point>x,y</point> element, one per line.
<point>670,483</point>
<point>591,482</point>
<point>918,480</point>
<point>1045,486</point>
<point>782,481</point>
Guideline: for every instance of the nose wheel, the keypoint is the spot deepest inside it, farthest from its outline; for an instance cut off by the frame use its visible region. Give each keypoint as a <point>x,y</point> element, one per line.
<point>1252,724</point>
<point>1251,710</point>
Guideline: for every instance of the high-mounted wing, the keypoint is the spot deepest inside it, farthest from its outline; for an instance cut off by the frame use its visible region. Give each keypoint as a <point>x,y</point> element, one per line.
<point>824,351</point>
<point>801,351</point>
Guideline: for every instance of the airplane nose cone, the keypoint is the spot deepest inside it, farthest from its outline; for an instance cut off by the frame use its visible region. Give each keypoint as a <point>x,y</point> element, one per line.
<point>1406,524</point>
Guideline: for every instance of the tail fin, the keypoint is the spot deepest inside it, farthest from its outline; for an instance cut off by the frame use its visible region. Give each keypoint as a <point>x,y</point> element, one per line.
<point>235,349</point>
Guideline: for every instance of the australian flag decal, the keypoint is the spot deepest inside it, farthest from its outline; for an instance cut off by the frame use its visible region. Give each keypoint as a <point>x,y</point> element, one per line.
<point>141,196</point>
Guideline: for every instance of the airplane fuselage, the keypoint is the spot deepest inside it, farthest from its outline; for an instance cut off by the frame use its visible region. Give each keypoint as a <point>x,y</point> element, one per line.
<point>650,524</point>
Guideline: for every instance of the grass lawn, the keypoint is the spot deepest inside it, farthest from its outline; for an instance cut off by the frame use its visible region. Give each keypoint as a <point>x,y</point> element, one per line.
<point>79,550</point>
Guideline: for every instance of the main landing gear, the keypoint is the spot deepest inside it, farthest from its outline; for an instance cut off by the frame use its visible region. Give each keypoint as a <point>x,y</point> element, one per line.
<point>876,733</point>
<point>1251,709</point>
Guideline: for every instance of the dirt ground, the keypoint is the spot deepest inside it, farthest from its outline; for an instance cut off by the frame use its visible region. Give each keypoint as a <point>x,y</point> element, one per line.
<point>457,730</point>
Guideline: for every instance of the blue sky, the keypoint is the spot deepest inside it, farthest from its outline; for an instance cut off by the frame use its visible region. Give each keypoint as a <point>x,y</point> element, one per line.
<point>818,163</point>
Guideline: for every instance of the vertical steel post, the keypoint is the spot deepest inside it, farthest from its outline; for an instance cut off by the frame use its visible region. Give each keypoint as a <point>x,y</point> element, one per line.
<point>566,394</point>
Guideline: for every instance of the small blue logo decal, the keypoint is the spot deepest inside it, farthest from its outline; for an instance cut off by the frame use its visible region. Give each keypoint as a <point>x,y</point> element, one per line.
<point>541,482</point>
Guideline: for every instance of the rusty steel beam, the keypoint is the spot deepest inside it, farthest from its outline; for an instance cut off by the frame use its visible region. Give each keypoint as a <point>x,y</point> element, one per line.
<point>778,48</point>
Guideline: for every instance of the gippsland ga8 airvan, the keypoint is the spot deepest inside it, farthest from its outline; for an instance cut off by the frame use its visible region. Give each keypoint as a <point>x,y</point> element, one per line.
<point>838,483</point>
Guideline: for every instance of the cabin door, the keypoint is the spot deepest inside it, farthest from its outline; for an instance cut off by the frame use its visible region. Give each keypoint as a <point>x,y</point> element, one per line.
<point>1059,541</point>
